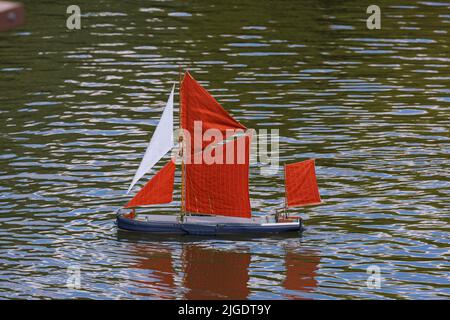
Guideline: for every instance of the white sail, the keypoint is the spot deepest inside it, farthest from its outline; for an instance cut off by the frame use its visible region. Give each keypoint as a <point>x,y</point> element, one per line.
<point>160,143</point>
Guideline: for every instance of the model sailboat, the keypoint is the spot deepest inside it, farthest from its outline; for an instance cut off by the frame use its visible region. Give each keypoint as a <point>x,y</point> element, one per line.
<point>215,159</point>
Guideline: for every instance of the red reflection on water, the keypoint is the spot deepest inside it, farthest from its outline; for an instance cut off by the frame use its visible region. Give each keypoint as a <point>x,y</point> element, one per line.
<point>209,273</point>
<point>215,274</point>
<point>300,272</point>
<point>159,262</point>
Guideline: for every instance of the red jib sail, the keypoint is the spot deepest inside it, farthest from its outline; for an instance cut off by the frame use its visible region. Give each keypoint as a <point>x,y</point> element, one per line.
<point>158,190</point>
<point>301,184</point>
<point>218,188</point>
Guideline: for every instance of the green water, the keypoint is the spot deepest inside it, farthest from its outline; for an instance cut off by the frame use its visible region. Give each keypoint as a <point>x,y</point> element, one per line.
<point>371,106</point>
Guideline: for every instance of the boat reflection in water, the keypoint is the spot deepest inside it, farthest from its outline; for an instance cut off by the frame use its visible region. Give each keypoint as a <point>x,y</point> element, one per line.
<point>196,270</point>
<point>161,279</point>
<point>301,268</point>
<point>215,274</point>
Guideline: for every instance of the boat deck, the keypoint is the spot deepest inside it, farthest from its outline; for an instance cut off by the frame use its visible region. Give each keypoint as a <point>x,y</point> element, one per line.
<point>204,219</point>
<point>206,225</point>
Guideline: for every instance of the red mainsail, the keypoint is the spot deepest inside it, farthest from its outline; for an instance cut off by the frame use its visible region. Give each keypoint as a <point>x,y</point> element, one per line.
<point>217,188</point>
<point>158,190</point>
<point>301,184</point>
<point>220,188</point>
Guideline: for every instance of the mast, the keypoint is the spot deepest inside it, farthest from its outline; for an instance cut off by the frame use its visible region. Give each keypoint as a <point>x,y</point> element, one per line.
<point>285,191</point>
<point>181,145</point>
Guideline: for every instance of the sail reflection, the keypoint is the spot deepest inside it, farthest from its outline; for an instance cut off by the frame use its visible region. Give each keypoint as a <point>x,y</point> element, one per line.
<point>158,261</point>
<point>194,271</point>
<point>301,268</point>
<point>215,274</point>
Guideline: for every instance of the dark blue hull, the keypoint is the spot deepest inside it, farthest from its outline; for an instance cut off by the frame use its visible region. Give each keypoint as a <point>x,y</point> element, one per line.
<point>207,229</point>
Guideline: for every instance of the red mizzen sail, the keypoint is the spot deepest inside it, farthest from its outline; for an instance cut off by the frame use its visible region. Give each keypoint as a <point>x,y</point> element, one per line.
<point>218,189</point>
<point>158,190</point>
<point>301,184</point>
